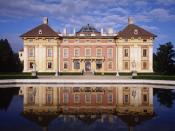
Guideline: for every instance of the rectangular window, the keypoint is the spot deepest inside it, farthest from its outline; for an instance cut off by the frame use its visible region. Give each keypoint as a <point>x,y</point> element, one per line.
<point>49,52</point>
<point>98,64</point>
<point>49,65</point>
<point>99,98</point>
<point>88,52</point>
<point>110,65</point>
<point>65,65</point>
<point>88,98</point>
<point>126,65</point>
<point>76,52</point>
<point>76,98</point>
<point>65,52</point>
<point>109,52</point>
<point>126,52</point>
<point>76,64</point>
<point>110,40</point>
<point>99,52</point>
<point>49,99</point>
<point>126,99</point>
<point>144,53</point>
<point>31,65</point>
<point>31,52</point>
<point>110,98</point>
<point>144,65</point>
<point>65,98</point>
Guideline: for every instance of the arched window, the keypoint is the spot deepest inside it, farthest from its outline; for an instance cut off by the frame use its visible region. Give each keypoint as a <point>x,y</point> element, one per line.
<point>76,65</point>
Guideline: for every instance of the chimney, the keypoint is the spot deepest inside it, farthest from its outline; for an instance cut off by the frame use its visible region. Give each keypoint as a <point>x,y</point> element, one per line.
<point>64,31</point>
<point>102,31</point>
<point>130,20</point>
<point>74,31</point>
<point>45,20</point>
<point>110,31</point>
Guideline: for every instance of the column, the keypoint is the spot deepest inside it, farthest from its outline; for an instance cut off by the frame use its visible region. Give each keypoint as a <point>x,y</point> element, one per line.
<point>25,59</point>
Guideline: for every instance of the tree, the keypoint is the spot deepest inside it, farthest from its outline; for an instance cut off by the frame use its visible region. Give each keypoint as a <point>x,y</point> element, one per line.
<point>9,61</point>
<point>164,59</point>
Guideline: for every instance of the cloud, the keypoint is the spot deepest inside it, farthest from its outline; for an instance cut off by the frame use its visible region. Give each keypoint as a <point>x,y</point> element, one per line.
<point>162,14</point>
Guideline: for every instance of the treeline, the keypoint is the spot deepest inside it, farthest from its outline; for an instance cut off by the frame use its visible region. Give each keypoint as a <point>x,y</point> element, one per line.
<point>164,59</point>
<point>9,61</point>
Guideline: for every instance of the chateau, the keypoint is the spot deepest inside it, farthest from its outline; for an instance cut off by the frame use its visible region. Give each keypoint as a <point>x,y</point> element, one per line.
<point>88,50</point>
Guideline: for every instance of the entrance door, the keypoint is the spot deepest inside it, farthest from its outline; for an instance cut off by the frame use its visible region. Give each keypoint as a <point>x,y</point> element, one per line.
<point>88,66</point>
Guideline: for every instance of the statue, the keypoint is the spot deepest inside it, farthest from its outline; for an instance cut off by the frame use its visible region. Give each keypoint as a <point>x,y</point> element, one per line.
<point>34,72</point>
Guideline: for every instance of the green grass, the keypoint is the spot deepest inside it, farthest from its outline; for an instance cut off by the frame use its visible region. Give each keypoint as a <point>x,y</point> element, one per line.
<point>155,77</point>
<point>70,73</point>
<point>16,75</point>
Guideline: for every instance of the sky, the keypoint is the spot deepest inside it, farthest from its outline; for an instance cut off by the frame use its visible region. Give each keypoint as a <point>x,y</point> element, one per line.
<point>19,16</point>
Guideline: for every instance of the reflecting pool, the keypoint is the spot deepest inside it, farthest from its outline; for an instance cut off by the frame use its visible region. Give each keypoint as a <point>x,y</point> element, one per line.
<point>87,108</point>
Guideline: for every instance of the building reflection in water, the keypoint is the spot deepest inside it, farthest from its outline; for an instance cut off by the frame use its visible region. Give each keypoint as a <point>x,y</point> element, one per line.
<point>132,105</point>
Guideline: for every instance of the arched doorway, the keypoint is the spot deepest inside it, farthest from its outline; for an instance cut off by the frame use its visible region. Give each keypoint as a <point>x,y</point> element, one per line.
<point>88,66</point>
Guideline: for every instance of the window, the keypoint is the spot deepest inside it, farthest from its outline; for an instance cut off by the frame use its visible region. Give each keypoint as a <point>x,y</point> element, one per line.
<point>126,65</point>
<point>49,52</point>
<point>49,98</point>
<point>65,41</point>
<point>97,40</point>
<point>109,52</point>
<point>88,98</point>
<point>99,52</point>
<point>76,64</point>
<point>110,98</point>
<point>98,64</point>
<point>88,52</point>
<point>31,52</point>
<point>144,40</point>
<point>30,40</point>
<point>65,98</point>
<point>31,65</point>
<point>135,32</point>
<point>144,65</point>
<point>76,98</point>
<point>110,65</point>
<point>49,65</point>
<point>126,99</point>
<point>31,98</point>
<point>144,53</point>
<point>88,40</point>
<point>77,41</point>
<point>65,52</point>
<point>40,32</point>
<point>145,98</point>
<point>110,40</point>
<point>65,66</point>
<point>126,52</point>
<point>99,98</point>
<point>49,40</point>
<point>76,52</point>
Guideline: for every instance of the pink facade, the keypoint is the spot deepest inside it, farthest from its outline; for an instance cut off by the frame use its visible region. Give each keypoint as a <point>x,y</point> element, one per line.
<point>93,57</point>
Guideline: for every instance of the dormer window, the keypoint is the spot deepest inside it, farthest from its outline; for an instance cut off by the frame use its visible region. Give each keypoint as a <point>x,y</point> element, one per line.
<point>40,32</point>
<point>135,32</point>
<point>144,40</point>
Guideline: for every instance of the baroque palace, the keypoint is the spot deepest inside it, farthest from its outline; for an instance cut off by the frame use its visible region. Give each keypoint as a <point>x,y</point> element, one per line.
<point>88,50</point>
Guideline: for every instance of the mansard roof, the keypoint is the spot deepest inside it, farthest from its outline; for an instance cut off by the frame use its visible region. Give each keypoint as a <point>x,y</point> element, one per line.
<point>43,30</point>
<point>88,29</point>
<point>135,31</point>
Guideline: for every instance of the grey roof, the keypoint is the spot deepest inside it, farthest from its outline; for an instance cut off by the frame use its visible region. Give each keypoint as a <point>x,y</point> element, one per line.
<point>88,29</point>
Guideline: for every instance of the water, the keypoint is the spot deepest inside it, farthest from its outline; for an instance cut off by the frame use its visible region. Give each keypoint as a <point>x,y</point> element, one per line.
<point>87,108</point>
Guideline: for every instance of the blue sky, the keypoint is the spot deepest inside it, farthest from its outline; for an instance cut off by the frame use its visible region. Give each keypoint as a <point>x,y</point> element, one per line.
<point>19,16</point>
